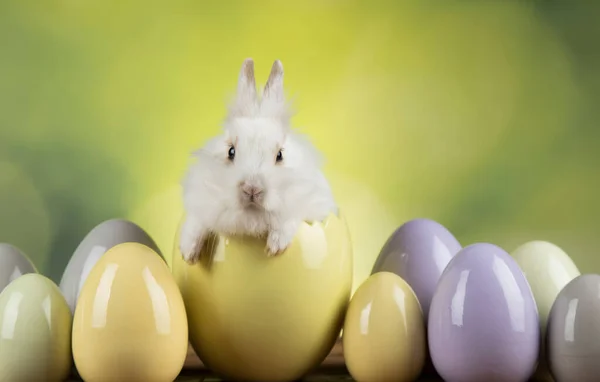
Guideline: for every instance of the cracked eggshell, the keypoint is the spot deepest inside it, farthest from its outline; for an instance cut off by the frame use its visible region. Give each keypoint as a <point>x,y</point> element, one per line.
<point>258,318</point>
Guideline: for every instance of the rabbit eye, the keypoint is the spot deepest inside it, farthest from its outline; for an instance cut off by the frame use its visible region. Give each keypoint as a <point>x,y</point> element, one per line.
<point>279,157</point>
<point>231,153</point>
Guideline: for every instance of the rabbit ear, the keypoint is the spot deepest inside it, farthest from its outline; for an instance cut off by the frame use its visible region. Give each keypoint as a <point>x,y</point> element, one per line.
<point>274,87</point>
<point>246,88</point>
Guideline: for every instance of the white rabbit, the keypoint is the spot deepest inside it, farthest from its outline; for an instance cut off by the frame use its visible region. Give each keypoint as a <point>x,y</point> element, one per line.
<point>258,178</point>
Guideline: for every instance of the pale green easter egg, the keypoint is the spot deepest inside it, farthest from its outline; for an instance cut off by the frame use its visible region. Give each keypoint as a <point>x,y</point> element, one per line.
<point>547,269</point>
<point>35,331</point>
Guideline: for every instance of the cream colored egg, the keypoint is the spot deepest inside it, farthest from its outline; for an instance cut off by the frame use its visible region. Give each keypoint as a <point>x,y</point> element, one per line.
<point>35,331</point>
<point>547,269</point>
<point>130,322</point>
<point>259,318</point>
<point>384,332</point>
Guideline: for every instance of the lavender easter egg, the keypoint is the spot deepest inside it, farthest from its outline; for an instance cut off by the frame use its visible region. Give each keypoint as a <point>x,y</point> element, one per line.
<point>418,251</point>
<point>483,321</point>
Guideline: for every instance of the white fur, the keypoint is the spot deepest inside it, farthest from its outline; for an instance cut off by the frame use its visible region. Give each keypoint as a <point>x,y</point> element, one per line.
<point>295,189</point>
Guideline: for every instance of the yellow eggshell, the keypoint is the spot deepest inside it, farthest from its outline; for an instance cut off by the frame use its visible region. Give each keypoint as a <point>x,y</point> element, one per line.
<point>130,322</point>
<point>259,318</point>
<point>35,331</point>
<point>384,332</point>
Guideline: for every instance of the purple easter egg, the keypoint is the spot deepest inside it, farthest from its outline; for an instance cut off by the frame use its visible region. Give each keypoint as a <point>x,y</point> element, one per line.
<point>483,321</point>
<point>418,251</point>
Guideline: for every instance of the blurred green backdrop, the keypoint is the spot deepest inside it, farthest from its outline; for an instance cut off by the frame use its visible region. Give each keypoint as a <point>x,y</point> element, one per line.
<point>481,115</point>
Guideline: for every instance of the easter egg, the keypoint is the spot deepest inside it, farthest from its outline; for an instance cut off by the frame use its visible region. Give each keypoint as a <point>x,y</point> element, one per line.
<point>483,320</point>
<point>384,331</point>
<point>13,263</point>
<point>35,331</point>
<point>418,251</point>
<point>547,269</point>
<point>103,237</point>
<point>573,331</point>
<point>258,318</point>
<point>130,322</point>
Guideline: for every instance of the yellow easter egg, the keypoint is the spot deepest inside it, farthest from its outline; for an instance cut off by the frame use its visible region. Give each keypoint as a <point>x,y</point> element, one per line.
<point>259,318</point>
<point>35,331</point>
<point>384,331</point>
<point>130,322</point>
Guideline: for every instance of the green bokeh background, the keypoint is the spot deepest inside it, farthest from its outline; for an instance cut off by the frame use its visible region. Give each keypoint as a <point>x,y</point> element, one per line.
<point>481,115</point>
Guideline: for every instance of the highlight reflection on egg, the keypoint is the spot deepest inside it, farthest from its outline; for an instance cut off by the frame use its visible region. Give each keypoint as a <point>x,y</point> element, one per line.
<point>13,264</point>
<point>100,239</point>
<point>483,320</point>
<point>130,322</point>
<point>384,331</point>
<point>258,318</point>
<point>573,333</point>
<point>547,269</point>
<point>35,335</point>
<point>418,252</point>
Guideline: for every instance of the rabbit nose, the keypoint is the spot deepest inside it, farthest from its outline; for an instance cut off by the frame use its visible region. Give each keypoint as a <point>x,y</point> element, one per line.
<point>252,190</point>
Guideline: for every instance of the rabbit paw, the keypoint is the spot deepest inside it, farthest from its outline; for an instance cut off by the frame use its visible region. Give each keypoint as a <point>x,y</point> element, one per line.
<point>276,244</point>
<point>190,247</point>
<point>279,240</point>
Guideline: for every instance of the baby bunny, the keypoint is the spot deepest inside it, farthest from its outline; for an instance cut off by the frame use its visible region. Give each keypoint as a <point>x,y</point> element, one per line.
<point>258,177</point>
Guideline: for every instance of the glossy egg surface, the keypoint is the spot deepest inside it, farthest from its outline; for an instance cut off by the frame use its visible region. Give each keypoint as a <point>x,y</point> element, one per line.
<point>100,239</point>
<point>35,331</point>
<point>418,251</point>
<point>483,320</point>
<point>384,331</point>
<point>573,332</point>
<point>13,264</point>
<point>258,318</point>
<point>130,322</point>
<point>547,269</point>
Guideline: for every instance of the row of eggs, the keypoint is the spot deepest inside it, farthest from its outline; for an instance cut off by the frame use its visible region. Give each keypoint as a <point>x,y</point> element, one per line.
<point>121,314</point>
<point>479,304</point>
<point>472,313</point>
<point>117,302</point>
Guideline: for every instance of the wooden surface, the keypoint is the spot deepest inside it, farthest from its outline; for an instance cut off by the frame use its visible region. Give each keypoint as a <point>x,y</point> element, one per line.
<point>332,369</point>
